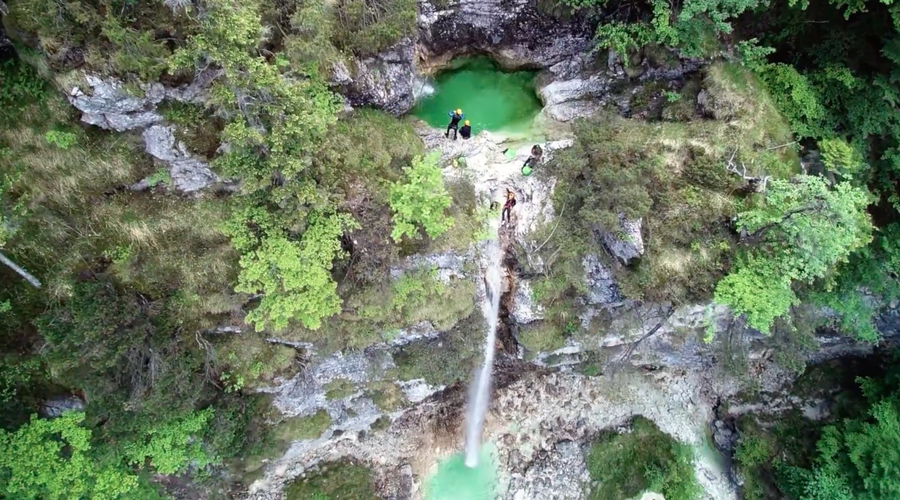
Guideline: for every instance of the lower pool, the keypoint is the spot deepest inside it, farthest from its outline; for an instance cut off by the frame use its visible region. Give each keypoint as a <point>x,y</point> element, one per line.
<point>490,98</point>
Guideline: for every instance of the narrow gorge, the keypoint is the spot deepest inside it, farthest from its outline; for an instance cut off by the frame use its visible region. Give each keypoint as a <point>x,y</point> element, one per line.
<point>267,273</point>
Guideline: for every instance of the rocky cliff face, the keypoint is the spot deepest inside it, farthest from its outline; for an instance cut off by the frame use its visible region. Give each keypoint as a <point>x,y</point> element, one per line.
<point>516,33</point>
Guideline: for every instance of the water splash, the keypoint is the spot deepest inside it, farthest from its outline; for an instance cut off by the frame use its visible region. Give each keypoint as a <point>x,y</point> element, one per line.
<point>480,393</point>
<point>453,480</point>
<point>422,87</point>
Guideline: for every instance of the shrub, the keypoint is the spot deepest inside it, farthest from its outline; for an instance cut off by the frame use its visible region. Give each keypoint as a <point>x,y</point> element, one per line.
<point>542,336</point>
<point>370,26</point>
<point>420,200</point>
<point>644,459</point>
<point>333,481</point>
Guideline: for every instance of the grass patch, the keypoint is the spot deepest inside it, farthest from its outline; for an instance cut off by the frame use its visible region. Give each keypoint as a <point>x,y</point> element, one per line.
<point>334,481</point>
<point>339,389</point>
<point>272,440</point>
<point>309,427</point>
<point>469,219</point>
<point>381,424</point>
<point>386,395</point>
<point>253,359</point>
<point>374,313</point>
<point>644,459</point>
<point>541,336</point>
<point>444,360</point>
<point>195,126</point>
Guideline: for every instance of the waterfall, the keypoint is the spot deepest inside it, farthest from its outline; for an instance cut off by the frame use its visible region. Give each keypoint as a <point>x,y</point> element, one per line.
<point>480,393</point>
<point>422,87</point>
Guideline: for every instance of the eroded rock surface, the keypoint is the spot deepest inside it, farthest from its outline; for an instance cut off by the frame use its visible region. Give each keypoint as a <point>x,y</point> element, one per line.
<point>188,174</point>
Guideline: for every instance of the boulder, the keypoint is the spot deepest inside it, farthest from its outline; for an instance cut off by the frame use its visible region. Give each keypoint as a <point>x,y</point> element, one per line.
<point>385,81</point>
<point>188,174</point>
<point>627,243</point>
<point>56,406</point>
<point>108,106</point>
<point>601,284</point>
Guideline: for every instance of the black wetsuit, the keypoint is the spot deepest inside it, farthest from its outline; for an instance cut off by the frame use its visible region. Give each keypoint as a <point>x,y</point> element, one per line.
<point>454,124</point>
<point>465,131</point>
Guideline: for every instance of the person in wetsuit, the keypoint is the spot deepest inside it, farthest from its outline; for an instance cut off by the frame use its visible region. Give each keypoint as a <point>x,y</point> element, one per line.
<point>508,206</point>
<point>532,162</point>
<point>465,131</point>
<point>455,117</point>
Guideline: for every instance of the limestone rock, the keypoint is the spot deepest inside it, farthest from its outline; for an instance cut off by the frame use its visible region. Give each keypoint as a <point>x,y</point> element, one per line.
<point>626,244</point>
<point>56,406</point>
<point>525,310</point>
<point>108,106</point>
<point>385,80</point>
<point>514,32</point>
<point>188,174</point>
<point>602,287</point>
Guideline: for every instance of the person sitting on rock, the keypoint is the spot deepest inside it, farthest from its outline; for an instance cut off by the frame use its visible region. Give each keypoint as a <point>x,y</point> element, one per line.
<point>455,117</point>
<point>466,131</point>
<point>533,160</point>
<point>508,206</point>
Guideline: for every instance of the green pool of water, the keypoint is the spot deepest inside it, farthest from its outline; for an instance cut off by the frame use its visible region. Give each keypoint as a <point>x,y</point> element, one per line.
<point>452,480</point>
<point>490,98</point>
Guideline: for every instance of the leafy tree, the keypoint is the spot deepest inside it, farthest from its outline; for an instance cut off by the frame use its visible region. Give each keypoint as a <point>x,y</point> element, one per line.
<point>172,446</point>
<point>804,229</point>
<point>841,158</point>
<point>420,200</point>
<point>855,458</point>
<point>50,460</point>
<point>294,276</point>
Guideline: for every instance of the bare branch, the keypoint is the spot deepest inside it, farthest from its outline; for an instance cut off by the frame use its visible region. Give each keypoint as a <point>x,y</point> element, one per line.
<point>20,271</point>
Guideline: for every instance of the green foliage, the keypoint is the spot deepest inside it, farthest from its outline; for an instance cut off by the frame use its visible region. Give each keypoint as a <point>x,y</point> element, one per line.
<point>19,83</point>
<point>598,163</point>
<point>801,233</point>
<point>841,158</point>
<point>855,457</point>
<point>50,460</point>
<point>798,99</point>
<point>644,459</point>
<point>753,450</point>
<point>367,27</point>
<point>62,140</point>
<point>333,481</point>
<point>294,277</point>
<point>172,446</point>
<point>125,38</point>
<point>161,176</point>
<point>420,200</point>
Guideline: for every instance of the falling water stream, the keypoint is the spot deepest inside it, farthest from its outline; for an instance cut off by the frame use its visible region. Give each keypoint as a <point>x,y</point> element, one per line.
<point>480,393</point>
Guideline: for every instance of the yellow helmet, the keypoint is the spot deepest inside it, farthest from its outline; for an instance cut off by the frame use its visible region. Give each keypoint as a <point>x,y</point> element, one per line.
<point>467,122</point>
<point>459,111</point>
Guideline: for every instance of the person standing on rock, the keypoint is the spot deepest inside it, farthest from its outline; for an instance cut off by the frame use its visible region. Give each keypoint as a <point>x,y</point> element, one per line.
<point>508,206</point>
<point>466,131</point>
<point>455,117</point>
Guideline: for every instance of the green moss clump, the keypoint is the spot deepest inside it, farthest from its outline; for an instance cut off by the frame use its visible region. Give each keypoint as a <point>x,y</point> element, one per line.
<point>644,459</point>
<point>386,395</point>
<point>334,481</point>
<point>445,360</point>
<point>339,389</point>
<point>541,336</point>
